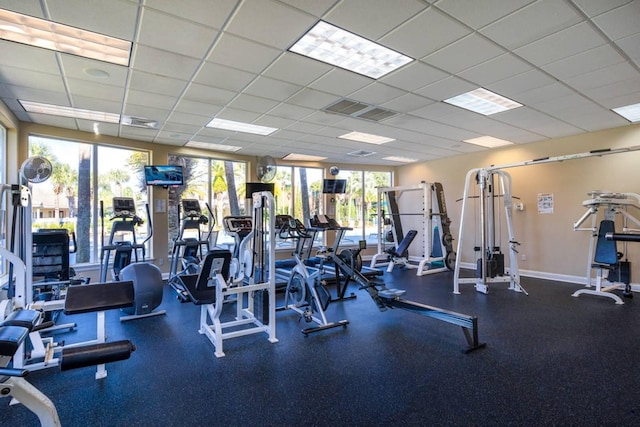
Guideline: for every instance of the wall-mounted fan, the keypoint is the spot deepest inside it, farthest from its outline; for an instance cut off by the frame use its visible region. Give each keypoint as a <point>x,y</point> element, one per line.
<point>36,169</point>
<point>266,169</point>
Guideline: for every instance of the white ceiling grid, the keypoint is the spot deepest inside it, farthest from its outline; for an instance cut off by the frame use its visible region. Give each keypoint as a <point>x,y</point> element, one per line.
<point>568,61</point>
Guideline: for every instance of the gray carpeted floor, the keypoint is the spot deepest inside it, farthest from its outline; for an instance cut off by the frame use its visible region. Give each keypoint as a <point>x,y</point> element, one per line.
<point>550,360</point>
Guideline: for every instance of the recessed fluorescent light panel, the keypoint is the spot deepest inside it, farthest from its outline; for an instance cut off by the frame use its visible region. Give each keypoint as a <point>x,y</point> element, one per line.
<point>483,101</point>
<point>335,46</point>
<point>488,142</point>
<point>399,159</point>
<point>215,147</point>
<point>50,35</point>
<point>366,137</point>
<point>240,127</point>
<point>629,112</point>
<point>75,113</point>
<point>303,157</point>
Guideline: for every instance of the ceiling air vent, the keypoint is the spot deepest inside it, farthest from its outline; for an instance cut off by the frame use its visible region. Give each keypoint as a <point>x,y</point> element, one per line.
<point>361,153</point>
<point>359,110</point>
<point>376,114</point>
<point>139,122</point>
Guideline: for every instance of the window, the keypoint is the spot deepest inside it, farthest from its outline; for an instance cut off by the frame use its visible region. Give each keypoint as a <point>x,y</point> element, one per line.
<point>216,183</point>
<point>298,192</point>
<point>357,207</point>
<point>86,177</point>
<point>3,207</point>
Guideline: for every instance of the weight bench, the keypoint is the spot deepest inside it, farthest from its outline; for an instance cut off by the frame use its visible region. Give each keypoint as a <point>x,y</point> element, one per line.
<point>15,330</point>
<point>209,290</point>
<point>606,259</point>
<point>399,255</point>
<point>88,298</point>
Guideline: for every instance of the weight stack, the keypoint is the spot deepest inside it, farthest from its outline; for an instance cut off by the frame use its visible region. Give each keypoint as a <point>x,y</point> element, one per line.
<point>261,306</point>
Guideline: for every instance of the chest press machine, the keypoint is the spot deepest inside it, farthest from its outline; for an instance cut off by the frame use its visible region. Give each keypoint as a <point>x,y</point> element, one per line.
<point>603,251</point>
<point>255,300</point>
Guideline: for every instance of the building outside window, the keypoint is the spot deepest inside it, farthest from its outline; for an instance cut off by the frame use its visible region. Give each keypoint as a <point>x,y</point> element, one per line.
<point>84,178</point>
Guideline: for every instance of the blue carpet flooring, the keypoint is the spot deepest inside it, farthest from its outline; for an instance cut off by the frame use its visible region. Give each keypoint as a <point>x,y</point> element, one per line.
<point>550,360</point>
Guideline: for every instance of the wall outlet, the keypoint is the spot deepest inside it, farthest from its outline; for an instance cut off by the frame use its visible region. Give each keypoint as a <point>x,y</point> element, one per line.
<point>160,261</point>
<point>523,257</point>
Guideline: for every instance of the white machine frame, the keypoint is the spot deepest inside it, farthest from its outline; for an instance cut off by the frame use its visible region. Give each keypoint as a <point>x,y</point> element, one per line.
<point>430,212</point>
<point>210,324</point>
<point>486,216</point>
<point>613,204</point>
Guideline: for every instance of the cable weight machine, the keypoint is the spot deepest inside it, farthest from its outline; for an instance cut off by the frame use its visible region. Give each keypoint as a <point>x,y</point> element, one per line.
<point>490,266</point>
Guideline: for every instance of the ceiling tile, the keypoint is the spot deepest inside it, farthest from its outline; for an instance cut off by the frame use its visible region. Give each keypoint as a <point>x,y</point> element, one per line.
<point>29,57</point>
<point>410,39</point>
<point>237,52</point>
<point>585,62</point>
<point>465,53</point>
<point>531,23</point>
<point>138,97</point>
<point>620,22</point>
<point>495,70</point>
<point>96,90</point>
<point>413,76</point>
<point>208,94</point>
<point>595,7</point>
<point>340,82</point>
<point>188,106</point>
<point>35,80</point>
<point>196,10</point>
<point>373,18</point>
<point>537,122</point>
<point>220,76</point>
<point>289,111</point>
<point>477,14</point>
<point>631,46</point>
<point>446,88</point>
<point>115,18</point>
<point>573,40</point>
<point>297,69</point>
<point>407,103</point>
<point>542,94</point>
<point>272,23</point>
<point>252,103</point>
<point>163,63</point>
<point>189,119</point>
<point>512,86</point>
<point>603,77</point>
<point>272,89</point>
<point>195,39</point>
<point>376,94</point>
<point>313,7</point>
<point>148,82</point>
<point>310,98</point>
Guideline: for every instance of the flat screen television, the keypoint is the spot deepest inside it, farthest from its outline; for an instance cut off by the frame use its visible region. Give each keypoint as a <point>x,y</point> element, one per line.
<point>257,187</point>
<point>163,175</point>
<point>333,186</point>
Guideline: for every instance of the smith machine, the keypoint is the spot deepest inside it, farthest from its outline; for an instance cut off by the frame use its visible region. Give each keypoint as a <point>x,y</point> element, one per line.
<point>432,228</point>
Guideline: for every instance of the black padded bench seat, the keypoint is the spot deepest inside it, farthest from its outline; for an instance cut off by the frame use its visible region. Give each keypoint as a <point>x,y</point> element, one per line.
<point>98,297</point>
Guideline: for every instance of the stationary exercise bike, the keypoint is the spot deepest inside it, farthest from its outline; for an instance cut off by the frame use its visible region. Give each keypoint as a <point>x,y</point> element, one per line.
<point>306,293</point>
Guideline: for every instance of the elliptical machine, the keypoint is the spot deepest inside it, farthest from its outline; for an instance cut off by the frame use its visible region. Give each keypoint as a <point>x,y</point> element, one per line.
<point>129,259</point>
<point>190,241</point>
<point>240,228</point>
<point>124,225</point>
<point>190,245</point>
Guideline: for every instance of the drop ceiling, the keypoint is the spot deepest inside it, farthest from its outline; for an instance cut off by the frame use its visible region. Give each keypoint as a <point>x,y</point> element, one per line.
<point>567,61</point>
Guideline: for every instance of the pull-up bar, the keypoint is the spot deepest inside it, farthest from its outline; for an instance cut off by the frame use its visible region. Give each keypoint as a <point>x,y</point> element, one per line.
<point>593,153</point>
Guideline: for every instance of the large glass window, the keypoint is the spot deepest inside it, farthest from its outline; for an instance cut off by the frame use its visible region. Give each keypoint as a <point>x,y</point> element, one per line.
<point>3,207</point>
<point>218,184</point>
<point>357,207</point>
<point>84,178</point>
